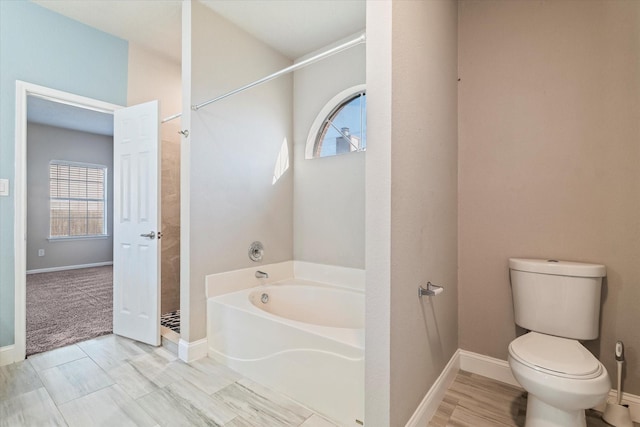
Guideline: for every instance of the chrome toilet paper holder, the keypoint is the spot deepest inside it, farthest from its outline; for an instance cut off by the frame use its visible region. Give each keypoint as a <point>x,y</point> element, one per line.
<point>431,290</point>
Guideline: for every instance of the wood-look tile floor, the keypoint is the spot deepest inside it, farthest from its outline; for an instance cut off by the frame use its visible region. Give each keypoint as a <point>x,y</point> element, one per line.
<point>476,401</point>
<point>113,381</point>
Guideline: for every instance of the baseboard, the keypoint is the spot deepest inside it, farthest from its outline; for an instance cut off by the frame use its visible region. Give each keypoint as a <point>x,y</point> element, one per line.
<point>6,355</point>
<point>627,399</point>
<point>499,370</point>
<point>487,366</point>
<point>434,396</point>
<point>190,351</point>
<point>496,369</point>
<point>69,267</point>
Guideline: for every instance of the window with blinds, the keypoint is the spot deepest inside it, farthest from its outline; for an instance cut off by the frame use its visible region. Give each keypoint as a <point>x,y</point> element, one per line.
<point>77,200</point>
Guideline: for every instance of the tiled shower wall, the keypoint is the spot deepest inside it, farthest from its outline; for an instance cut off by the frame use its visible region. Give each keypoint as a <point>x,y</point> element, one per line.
<point>170,258</point>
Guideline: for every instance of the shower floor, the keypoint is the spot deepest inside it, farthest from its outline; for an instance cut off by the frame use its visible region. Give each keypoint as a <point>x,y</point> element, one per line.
<point>171,320</point>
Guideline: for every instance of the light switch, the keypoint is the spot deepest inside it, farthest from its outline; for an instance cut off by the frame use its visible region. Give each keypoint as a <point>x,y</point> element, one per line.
<point>4,187</point>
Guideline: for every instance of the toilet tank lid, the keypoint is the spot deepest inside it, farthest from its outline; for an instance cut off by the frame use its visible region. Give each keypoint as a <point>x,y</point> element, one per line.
<point>558,268</point>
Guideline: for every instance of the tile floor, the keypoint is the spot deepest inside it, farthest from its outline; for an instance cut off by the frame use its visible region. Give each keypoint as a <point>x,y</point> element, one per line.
<point>113,381</point>
<point>476,401</point>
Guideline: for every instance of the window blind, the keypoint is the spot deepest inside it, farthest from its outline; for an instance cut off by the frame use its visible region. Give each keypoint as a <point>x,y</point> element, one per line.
<point>77,199</point>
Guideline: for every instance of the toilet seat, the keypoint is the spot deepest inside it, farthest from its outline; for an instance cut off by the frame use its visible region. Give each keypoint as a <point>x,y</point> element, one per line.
<point>556,356</point>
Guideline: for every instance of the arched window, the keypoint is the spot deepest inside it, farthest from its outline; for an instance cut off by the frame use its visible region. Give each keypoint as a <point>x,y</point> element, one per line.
<point>341,125</point>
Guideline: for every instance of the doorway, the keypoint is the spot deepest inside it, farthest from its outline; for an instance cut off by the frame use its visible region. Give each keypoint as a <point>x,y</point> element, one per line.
<point>23,92</point>
<point>69,286</point>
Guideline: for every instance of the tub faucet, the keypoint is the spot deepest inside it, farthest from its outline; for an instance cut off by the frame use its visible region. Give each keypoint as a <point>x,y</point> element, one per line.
<point>261,275</point>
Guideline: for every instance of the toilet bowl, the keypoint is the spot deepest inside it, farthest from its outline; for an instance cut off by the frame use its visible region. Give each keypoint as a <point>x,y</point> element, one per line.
<point>562,377</point>
<point>559,302</point>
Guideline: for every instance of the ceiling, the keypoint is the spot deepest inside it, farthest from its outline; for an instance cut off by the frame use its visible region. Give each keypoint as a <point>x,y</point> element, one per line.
<point>292,27</point>
<point>46,112</point>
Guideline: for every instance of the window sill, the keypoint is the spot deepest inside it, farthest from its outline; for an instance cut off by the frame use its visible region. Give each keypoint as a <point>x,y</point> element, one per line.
<point>74,238</point>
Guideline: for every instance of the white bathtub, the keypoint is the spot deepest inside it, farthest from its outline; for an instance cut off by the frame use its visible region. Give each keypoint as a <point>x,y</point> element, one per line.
<point>307,342</point>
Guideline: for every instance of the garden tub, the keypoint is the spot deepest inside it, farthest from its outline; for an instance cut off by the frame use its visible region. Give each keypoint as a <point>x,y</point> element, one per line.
<point>301,338</point>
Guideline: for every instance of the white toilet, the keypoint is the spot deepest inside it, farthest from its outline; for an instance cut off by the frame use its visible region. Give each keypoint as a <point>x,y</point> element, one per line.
<point>559,302</point>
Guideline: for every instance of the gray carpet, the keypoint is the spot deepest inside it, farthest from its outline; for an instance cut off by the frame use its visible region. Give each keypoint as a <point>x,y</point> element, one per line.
<point>66,307</point>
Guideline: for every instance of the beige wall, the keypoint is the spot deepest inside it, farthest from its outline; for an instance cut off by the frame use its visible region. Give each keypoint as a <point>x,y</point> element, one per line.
<point>328,192</point>
<point>233,149</point>
<point>549,128</point>
<point>412,215</point>
<point>155,77</point>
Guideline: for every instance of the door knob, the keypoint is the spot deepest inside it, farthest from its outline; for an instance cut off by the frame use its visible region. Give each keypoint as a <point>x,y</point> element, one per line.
<point>151,235</point>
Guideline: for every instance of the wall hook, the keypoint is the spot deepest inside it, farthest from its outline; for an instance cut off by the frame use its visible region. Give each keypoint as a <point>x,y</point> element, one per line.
<point>184,132</point>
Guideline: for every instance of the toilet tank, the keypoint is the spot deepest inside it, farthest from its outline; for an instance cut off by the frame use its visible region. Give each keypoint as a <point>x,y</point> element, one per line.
<point>559,298</point>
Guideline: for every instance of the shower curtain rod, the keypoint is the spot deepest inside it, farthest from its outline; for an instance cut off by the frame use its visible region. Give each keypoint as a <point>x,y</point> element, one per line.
<point>351,43</point>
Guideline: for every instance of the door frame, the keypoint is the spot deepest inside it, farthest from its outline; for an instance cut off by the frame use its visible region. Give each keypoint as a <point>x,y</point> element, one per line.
<point>23,90</point>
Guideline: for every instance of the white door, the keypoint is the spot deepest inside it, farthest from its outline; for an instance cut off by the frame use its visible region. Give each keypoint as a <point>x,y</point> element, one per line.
<point>136,210</point>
